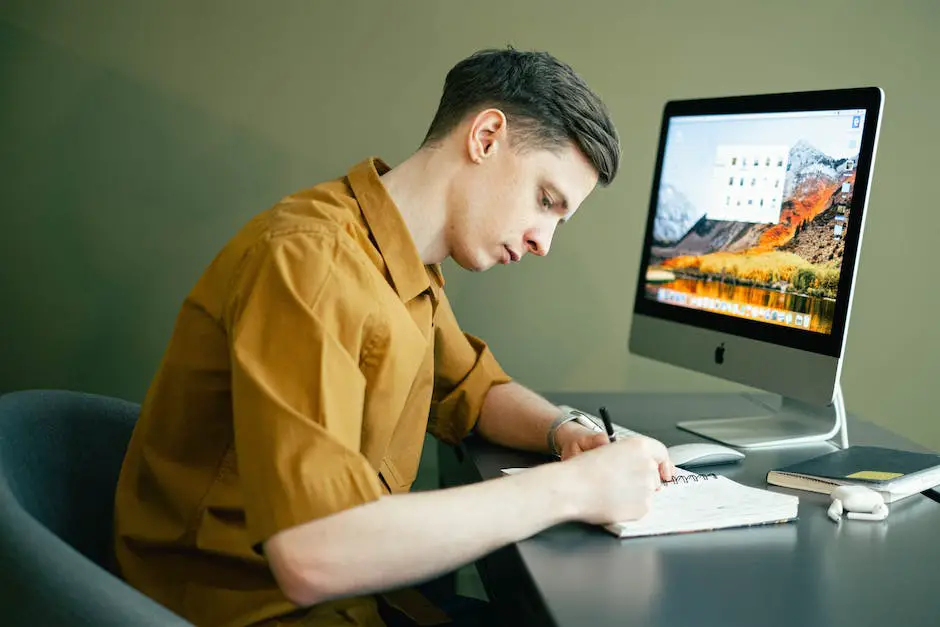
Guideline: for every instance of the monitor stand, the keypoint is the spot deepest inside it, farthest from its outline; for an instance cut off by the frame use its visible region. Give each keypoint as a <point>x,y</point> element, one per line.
<point>794,422</point>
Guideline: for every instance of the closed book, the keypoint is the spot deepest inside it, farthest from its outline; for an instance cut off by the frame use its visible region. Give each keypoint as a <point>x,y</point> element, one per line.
<point>894,473</point>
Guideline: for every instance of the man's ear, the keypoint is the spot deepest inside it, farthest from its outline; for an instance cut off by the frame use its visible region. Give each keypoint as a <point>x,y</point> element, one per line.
<point>487,134</point>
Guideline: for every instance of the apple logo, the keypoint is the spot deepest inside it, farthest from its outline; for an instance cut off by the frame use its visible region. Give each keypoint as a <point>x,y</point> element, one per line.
<point>720,354</point>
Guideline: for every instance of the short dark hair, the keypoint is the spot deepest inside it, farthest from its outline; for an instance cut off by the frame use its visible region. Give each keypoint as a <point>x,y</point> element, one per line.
<point>546,101</point>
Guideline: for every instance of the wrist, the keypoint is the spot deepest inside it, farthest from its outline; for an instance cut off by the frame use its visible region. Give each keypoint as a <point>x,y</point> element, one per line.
<point>560,485</point>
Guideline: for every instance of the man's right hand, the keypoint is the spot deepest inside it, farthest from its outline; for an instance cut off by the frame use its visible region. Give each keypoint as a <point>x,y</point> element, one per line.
<point>616,482</point>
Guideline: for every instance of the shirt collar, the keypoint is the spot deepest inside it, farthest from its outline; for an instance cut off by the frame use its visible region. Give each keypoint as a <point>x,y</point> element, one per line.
<point>410,277</point>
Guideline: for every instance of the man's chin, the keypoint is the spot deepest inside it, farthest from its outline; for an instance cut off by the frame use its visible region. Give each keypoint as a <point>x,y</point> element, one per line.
<point>474,265</point>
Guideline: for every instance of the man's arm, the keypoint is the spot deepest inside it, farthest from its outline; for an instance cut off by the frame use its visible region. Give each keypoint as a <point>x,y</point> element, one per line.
<point>399,540</point>
<point>517,417</point>
<point>312,502</point>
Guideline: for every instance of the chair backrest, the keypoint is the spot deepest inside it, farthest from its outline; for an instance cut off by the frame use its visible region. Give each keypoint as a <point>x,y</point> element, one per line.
<point>60,454</point>
<point>60,457</point>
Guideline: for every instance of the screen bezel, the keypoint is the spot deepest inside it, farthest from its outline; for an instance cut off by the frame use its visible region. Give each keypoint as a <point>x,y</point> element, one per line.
<point>867,98</point>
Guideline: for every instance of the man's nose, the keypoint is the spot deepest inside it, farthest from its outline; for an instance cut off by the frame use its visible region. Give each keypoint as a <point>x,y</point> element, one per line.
<point>538,243</point>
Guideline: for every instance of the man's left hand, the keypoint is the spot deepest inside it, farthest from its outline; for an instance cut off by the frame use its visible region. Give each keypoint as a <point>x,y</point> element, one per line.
<point>572,439</point>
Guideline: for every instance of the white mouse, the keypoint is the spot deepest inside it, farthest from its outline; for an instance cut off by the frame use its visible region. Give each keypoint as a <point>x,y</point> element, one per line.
<point>702,454</point>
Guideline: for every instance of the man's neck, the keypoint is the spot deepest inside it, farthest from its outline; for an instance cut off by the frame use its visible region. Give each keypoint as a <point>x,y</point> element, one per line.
<point>418,187</point>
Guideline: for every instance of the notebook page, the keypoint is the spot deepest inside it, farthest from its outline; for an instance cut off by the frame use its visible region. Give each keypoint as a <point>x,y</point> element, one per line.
<point>711,502</point>
<point>714,502</point>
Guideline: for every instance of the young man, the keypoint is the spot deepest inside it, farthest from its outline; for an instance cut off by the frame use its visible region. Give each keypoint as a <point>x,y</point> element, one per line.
<point>267,479</point>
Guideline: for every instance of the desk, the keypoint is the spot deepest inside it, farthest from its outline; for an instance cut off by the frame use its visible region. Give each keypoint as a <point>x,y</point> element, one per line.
<point>810,572</point>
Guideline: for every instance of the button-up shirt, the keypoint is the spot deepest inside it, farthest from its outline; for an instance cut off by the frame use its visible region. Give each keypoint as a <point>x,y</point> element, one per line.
<point>304,369</point>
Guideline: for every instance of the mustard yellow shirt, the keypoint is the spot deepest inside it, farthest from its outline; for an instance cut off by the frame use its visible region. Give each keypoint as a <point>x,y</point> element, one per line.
<point>305,367</point>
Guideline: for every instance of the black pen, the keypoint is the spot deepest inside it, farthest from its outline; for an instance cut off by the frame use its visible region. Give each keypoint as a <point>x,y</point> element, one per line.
<point>610,428</point>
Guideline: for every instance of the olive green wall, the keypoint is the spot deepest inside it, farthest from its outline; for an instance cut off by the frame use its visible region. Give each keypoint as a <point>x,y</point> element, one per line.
<point>138,136</point>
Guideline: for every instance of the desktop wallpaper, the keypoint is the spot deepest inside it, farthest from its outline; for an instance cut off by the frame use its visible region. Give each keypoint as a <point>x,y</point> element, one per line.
<point>752,214</point>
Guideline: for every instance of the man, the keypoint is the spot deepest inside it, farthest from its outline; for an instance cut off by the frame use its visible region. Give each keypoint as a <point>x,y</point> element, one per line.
<point>267,479</point>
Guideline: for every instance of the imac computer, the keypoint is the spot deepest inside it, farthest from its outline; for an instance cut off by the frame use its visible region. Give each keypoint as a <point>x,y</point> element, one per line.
<point>750,252</point>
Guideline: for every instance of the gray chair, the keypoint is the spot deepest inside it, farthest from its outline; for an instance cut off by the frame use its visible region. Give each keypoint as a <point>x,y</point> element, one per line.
<point>60,455</point>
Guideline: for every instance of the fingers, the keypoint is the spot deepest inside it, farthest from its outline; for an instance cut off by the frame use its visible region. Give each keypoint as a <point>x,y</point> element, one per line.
<point>657,450</point>
<point>656,481</point>
<point>582,445</point>
<point>666,471</point>
<point>633,470</point>
<point>593,442</point>
<point>643,449</point>
<point>661,457</point>
<point>662,465</point>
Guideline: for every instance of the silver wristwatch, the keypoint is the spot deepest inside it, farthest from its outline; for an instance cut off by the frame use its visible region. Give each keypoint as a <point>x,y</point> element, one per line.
<point>567,415</point>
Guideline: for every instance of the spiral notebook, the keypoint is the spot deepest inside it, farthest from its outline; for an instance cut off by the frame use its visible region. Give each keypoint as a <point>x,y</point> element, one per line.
<point>705,502</point>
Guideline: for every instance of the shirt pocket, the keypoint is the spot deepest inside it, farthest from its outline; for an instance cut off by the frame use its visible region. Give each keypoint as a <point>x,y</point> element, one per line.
<point>395,477</point>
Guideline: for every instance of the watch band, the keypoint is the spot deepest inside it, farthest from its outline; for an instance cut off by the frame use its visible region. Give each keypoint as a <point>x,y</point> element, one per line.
<point>562,418</point>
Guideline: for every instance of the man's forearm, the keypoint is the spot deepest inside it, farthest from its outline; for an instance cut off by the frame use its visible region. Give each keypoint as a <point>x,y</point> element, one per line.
<point>399,540</point>
<point>517,417</point>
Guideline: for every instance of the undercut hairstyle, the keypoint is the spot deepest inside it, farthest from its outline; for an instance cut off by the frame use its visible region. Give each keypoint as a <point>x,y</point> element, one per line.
<point>546,103</point>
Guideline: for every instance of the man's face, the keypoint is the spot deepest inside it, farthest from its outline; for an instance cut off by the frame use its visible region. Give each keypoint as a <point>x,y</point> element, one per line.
<point>511,202</point>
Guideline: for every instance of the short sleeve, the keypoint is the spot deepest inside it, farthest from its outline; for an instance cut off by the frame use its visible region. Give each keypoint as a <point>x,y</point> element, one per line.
<point>464,371</point>
<point>296,326</point>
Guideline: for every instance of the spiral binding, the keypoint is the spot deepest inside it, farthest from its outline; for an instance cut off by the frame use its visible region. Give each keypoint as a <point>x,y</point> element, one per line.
<point>684,479</point>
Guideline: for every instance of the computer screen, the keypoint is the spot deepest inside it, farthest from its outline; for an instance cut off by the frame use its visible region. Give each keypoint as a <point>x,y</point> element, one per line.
<point>752,237</point>
<point>752,215</point>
